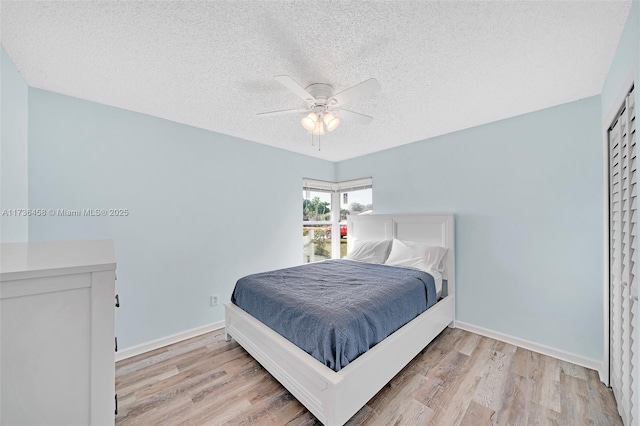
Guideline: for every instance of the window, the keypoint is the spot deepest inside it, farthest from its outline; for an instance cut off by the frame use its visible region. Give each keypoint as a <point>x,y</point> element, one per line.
<point>324,228</point>
<point>353,202</point>
<point>316,224</point>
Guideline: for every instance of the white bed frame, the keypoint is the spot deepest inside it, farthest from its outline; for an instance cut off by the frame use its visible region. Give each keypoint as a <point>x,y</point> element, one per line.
<point>334,397</point>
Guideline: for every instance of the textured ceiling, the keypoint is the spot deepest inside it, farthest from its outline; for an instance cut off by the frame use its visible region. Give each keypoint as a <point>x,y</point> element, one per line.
<point>443,66</point>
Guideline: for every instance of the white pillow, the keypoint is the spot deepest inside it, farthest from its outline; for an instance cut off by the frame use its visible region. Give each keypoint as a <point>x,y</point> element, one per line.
<point>369,251</point>
<point>417,255</point>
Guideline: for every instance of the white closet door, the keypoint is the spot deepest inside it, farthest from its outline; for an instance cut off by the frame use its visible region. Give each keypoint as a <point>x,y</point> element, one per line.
<point>634,406</point>
<point>615,226</point>
<point>623,281</point>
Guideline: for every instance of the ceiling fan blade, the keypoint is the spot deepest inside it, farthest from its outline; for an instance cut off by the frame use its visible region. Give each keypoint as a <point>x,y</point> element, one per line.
<point>367,87</point>
<point>356,117</point>
<point>298,90</point>
<point>283,111</point>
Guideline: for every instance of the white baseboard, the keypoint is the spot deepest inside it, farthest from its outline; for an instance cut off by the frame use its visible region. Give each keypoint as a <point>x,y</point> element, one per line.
<point>593,364</point>
<point>168,340</point>
<point>590,363</point>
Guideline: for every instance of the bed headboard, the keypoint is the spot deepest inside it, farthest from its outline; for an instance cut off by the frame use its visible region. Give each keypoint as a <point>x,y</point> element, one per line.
<point>436,229</point>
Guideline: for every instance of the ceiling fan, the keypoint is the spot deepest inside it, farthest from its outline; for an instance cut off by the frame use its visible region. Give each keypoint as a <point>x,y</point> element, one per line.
<point>325,108</point>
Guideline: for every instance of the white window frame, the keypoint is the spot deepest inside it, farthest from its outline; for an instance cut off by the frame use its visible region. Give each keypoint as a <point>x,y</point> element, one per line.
<point>335,189</point>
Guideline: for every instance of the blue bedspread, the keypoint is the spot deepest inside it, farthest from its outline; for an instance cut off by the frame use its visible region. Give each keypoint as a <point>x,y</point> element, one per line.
<point>337,309</point>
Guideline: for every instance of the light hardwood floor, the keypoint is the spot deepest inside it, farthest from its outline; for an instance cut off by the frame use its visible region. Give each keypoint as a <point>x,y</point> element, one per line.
<point>459,379</point>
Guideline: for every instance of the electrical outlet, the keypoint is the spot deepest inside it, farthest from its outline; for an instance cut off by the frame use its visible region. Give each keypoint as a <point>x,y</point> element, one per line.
<point>214,300</point>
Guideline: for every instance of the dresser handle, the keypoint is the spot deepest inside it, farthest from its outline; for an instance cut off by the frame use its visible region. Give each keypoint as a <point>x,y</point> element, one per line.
<point>116,343</point>
<point>116,404</point>
<point>117,301</point>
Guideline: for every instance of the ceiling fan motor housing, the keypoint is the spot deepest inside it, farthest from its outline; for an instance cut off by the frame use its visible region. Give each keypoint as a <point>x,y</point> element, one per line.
<point>321,92</point>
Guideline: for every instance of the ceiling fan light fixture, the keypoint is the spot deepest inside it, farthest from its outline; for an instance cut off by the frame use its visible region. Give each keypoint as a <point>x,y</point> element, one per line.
<point>321,101</point>
<point>331,121</point>
<point>310,121</point>
<point>318,130</point>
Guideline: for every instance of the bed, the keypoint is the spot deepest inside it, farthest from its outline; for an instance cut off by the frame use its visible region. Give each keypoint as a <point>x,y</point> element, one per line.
<point>335,396</point>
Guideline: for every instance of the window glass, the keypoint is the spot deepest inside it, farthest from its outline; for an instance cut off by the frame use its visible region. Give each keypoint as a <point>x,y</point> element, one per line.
<point>353,203</point>
<point>316,242</point>
<point>316,225</point>
<point>316,206</point>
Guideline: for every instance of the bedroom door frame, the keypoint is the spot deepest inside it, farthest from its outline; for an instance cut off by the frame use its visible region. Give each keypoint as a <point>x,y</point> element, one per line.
<point>609,120</point>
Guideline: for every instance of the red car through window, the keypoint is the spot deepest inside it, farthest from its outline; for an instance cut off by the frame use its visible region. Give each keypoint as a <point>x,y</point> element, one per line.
<point>343,231</point>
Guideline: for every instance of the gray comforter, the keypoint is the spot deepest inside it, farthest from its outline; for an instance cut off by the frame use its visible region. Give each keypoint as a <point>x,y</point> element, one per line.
<point>337,309</point>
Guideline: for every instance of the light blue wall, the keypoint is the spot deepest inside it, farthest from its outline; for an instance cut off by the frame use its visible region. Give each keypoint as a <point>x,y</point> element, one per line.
<point>205,208</point>
<point>13,150</point>
<point>527,194</point>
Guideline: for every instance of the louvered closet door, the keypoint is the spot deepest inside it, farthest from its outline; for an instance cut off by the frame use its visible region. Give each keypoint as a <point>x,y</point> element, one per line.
<point>623,246</point>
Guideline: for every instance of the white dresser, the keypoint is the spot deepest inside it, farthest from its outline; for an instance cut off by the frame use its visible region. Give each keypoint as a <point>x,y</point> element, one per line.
<point>57,362</point>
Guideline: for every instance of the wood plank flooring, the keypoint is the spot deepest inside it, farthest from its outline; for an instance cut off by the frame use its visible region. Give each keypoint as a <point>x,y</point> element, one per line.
<point>460,379</point>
